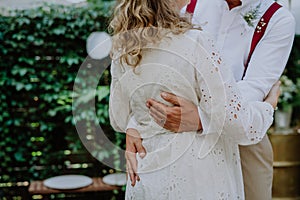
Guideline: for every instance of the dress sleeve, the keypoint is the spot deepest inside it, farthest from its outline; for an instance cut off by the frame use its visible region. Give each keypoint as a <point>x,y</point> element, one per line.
<point>119,108</point>
<point>222,108</point>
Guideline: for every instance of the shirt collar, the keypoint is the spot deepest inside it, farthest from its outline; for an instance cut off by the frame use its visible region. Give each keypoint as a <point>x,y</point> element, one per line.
<point>246,4</point>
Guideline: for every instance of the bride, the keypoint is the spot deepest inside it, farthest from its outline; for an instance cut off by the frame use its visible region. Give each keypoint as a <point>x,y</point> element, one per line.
<point>155,50</point>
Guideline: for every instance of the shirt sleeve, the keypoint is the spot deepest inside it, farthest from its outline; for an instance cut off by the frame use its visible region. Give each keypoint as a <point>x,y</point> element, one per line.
<point>222,108</point>
<point>269,58</point>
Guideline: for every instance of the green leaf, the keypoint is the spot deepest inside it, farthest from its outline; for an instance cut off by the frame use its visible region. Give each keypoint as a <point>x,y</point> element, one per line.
<point>60,30</point>
<point>28,87</point>
<point>23,71</point>
<point>19,157</point>
<point>102,92</point>
<point>19,86</point>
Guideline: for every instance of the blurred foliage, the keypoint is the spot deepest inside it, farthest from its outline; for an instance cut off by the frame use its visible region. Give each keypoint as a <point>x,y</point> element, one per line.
<point>293,72</point>
<point>288,93</point>
<point>41,50</point>
<point>293,65</point>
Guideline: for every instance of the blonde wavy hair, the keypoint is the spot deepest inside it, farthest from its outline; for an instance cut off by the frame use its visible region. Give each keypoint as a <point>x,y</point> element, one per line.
<point>137,23</point>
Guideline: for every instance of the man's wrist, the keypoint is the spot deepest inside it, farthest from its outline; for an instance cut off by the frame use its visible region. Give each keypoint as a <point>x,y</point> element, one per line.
<point>199,125</point>
<point>200,128</point>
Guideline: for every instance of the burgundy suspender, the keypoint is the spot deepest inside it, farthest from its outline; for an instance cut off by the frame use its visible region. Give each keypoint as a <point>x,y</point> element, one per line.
<point>260,31</point>
<point>191,6</point>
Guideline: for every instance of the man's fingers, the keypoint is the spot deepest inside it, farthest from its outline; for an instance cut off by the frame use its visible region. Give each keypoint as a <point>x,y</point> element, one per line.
<point>132,167</point>
<point>172,98</point>
<point>157,105</point>
<point>131,158</point>
<point>141,150</point>
<point>131,174</point>
<point>158,111</point>
<point>134,143</point>
<point>159,118</point>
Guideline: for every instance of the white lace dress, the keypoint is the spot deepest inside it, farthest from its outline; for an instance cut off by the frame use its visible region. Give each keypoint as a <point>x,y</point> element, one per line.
<point>189,165</point>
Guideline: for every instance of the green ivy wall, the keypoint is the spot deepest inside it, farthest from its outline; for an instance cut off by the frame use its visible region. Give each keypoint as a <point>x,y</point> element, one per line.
<point>41,51</point>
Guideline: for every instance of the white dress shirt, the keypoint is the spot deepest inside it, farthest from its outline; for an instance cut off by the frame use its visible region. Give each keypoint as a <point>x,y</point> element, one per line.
<point>233,38</point>
<point>294,7</point>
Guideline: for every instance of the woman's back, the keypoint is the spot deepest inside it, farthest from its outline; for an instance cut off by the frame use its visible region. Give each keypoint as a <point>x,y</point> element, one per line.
<point>187,165</point>
<point>172,65</point>
<point>167,66</point>
<point>173,168</point>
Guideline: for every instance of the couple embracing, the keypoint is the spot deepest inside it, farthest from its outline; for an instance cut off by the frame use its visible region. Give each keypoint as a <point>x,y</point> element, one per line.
<point>194,86</point>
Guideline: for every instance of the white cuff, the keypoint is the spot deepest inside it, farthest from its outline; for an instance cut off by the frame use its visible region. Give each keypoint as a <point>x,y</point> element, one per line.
<point>132,123</point>
<point>270,110</point>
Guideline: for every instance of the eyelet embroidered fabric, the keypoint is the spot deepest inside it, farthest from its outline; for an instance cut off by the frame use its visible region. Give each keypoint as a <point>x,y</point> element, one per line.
<point>187,165</point>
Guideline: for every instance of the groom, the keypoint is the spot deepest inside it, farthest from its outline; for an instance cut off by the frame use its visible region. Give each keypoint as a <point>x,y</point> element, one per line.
<point>232,24</point>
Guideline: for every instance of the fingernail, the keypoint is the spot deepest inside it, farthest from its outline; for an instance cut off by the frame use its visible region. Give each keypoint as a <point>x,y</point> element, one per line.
<point>163,94</point>
<point>142,155</point>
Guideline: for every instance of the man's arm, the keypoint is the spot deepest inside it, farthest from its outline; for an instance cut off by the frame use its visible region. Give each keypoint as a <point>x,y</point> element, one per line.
<point>267,64</point>
<point>134,142</point>
<point>173,116</point>
<point>119,115</point>
<point>269,58</point>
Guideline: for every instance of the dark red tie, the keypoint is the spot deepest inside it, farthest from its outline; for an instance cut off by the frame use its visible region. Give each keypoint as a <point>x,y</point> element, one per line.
<point>191,7</point>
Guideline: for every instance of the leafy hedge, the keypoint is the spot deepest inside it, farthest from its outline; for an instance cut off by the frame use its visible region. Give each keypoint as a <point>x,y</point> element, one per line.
<point>41,51</point>
<point>293,72</point>
<point>293,65</point>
